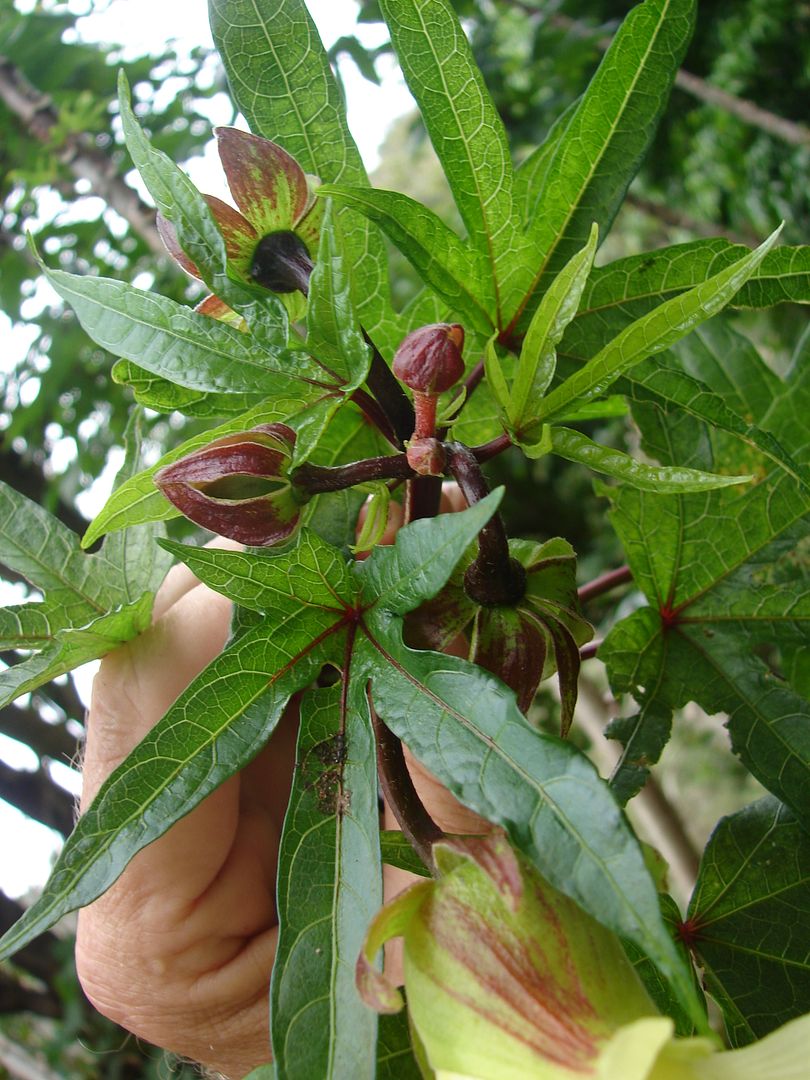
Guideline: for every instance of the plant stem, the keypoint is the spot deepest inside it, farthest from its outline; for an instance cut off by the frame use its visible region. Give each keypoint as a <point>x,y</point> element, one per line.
<point>393,400</point>
<point>491,449</point>
<point>374,411</point>
<point>422,497</point>
<point>418,827</point>
<point>605,583</point>
<point>316,479</point>
<point>494,577</point>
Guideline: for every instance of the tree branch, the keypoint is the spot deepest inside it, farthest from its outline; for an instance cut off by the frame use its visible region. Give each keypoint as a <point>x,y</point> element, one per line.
<point>37,114</point>
<point>38,797</point>
<point>45,739</point>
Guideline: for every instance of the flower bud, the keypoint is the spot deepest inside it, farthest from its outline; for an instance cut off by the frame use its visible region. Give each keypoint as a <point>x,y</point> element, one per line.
<point>505,976</point>
<point>429,359</point>
<point>281,263</point>
<point>237,486</point>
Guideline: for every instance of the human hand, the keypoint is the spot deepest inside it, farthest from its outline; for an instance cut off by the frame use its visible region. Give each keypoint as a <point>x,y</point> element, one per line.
<point>179,950</point>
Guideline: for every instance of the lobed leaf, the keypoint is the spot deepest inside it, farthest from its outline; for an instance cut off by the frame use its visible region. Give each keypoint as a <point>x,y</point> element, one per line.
<point>747,919</point>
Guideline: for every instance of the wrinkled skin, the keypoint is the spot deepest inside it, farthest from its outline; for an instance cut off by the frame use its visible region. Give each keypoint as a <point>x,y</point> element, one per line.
<point>179,950</point>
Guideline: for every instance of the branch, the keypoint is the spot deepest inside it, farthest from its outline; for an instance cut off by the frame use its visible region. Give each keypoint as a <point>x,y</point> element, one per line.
<point>418,827</point>
<point>45,739</point>
<point>40,118</point>
<point>38,797</point>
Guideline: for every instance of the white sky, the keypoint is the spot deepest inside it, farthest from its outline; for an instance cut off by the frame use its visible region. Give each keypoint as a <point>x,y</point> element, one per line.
<point>26,848</point>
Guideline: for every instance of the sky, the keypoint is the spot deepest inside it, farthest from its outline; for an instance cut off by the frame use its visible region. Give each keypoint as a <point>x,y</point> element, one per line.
<point>27,849</point>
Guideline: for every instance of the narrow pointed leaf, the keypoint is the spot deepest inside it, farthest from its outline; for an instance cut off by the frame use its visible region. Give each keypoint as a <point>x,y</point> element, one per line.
<point>538,356</point>
<point>530,176</point>
<point>654,332</point>
<point>463,123</point>
<point>575,446</point>
<point>466,728</point>
<point>606,139</point>
<point>329,890</point>
<point>631,287</point>
<point>456,272</point>
<point>42,549</point>
<point>154,392</point>
<point>748,916</point>
<point>334,333</point>
<point>176,343</point>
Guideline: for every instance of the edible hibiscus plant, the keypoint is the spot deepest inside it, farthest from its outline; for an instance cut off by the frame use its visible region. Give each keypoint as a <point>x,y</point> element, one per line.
<point>547,946</point>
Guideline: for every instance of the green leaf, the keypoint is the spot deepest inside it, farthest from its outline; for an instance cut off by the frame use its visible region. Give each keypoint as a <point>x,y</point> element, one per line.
<point>177,344</point>
<point>530,176</point>
<point>262,583</point>
<point>400,577</point>
<point>159,394</point>
<point>213,729</point>
<point>464,127</point>
<point>655,986</point>
<point>465,726</point>
<point>395,1056</point>
<point>70,646</point>
<point>538,356</point>
<point>92,603</point>
<point>578,447</point>
<point>282,81</point>
<point>653,333</point>
<point>628,288</point>
<point>138,499</point>
<point>726,583</point>
<point>396,851</point>
<point>457,272</point>
<point>605,141</point>
<point>46,553</point>
<point>334,334</point>
<point>329,889</point>
<point>748,916</point>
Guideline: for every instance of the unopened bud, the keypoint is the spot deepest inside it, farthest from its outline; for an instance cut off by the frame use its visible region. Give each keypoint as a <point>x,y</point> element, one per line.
<point>238,486</point>
<point>429,359</point>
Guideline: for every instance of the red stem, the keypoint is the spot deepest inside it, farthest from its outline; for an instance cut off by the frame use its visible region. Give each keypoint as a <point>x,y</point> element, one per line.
<point>604,584</point>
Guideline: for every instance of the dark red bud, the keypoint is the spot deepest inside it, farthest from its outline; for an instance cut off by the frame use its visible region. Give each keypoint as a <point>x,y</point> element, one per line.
<point>237,486</point>
<point>429,359</point>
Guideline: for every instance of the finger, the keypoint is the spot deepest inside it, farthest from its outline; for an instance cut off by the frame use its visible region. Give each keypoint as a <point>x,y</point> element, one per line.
<point>180,579</point>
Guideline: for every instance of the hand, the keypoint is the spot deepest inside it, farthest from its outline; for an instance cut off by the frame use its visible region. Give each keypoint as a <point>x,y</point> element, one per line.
<point>180,949</point>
